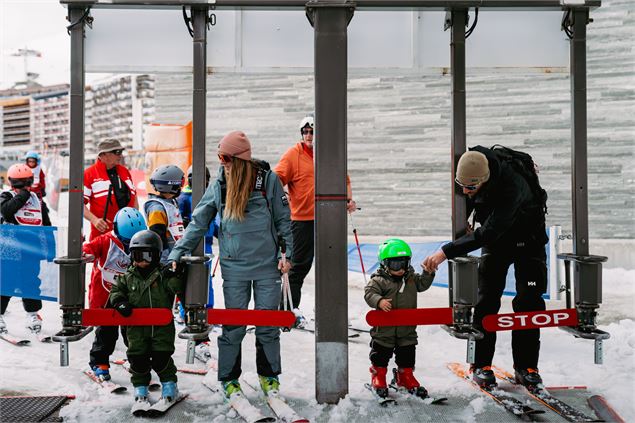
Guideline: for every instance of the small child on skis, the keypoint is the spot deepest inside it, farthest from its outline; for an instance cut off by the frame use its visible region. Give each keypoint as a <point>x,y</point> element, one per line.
<point>111,258</point>
<point>149,347</point>
<point>393,286</point>
<point>20,206</point>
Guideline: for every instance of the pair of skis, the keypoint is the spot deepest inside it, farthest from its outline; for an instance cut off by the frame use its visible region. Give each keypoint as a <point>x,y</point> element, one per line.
<point>251,414</point>
<point>23,342</point>
<point>516,406</point>
<point>419,393</point>
<point>158,409</point>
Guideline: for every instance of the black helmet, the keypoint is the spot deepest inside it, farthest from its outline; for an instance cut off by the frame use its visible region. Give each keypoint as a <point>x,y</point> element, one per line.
<point>189,176</point>
<point>167,179</point>
<point>146,245</point>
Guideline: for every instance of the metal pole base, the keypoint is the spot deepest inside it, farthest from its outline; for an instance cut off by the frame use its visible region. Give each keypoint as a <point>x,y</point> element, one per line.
<point>66,335</point>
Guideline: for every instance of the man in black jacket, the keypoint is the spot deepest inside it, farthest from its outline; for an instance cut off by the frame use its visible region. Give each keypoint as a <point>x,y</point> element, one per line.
<point>512,231</point>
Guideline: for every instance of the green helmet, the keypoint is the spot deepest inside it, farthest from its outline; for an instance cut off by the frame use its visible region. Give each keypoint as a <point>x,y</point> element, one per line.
<point>395,254</point>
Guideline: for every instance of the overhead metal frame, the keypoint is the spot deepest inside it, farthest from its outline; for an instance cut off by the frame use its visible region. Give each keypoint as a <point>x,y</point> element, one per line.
<point>330,19</point>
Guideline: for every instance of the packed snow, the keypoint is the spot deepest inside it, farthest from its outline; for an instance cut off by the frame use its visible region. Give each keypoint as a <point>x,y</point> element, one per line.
<point>565,360</point>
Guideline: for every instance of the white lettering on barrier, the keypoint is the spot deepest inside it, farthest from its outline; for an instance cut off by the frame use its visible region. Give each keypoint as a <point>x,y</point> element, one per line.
<point>537,320</point>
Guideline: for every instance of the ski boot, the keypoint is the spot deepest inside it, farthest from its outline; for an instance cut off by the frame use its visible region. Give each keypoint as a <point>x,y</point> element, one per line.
<point>231,387</point>
<point>530,378</point>
<point>201,351</point>
<point>269,384</point>
<point>102,371</point>
<point>483,376</point>
<point>404,378</point>
<point>33,322</point>
<point>169,391</point>
<point>378,380</point>
<point>300,321</point>
<point>3,325</point>
<point>141,402</point>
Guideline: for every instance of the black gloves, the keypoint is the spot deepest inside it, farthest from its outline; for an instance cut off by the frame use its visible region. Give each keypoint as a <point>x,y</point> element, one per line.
<point>124,308</point>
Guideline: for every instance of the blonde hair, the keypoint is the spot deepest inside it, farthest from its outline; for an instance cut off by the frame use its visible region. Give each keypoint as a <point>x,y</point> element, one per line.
<point>240,179</point>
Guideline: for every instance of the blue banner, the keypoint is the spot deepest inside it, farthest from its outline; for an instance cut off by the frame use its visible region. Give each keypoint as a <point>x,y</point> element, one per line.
<point>419,252</point>
<point>26,262</point>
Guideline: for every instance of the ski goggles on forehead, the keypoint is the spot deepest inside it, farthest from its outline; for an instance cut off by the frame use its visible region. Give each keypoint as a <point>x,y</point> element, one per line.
<point>398,263</point>
<point>141,255</point>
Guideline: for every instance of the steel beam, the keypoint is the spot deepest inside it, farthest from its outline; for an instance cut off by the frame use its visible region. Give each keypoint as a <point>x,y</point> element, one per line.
<point>72,274</point>
<point>360,4</point>
<point>579,183</point>
<point>459,144</point>
<point>330,23</point>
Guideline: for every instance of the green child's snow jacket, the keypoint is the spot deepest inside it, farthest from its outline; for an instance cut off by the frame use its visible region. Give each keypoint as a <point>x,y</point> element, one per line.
<point>403,292</point>
<point>155,291</point>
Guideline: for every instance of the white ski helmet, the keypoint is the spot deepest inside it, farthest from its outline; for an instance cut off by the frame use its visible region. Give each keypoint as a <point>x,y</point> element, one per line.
<point>307,121</point>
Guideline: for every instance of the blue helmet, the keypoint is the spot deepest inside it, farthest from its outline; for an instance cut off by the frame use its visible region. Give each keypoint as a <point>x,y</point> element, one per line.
<point>128,221</point>
<point>32,155</point>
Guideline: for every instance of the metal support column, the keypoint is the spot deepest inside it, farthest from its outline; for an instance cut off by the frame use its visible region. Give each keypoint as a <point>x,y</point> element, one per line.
<point>587,269</point>
<point>462,271</point>
<point>72,267</point>
<point>330,21</point>
<point>198,273</point>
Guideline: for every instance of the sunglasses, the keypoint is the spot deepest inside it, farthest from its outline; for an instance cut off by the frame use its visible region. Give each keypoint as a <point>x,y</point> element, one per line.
<point>224,158</point>
<point>307,131</point>
<point>117,152</point>
<point>467,187</point>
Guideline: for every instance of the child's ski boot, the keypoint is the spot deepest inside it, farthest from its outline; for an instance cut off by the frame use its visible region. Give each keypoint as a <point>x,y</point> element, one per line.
<point>231,387</point>
<point>530,378</point>
<point>141,403</point>
<point>102,371</point>
<point>33,322</point>
<point>378,380</point>
<point>483,376</point>
<point>404,378</point>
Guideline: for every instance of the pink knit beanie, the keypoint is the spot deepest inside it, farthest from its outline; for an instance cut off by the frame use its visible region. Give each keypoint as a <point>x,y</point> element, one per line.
<point>235,144</point>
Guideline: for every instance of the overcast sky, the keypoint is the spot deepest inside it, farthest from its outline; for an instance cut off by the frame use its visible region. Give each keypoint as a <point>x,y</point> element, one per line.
<point>38,25</point>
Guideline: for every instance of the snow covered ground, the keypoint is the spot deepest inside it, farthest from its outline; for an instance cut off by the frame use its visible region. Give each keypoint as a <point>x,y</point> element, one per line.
<point>564,361</point>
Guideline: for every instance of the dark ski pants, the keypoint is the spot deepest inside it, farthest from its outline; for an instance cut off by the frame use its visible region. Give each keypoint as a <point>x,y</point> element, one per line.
<point>531,282</point>
<point>29,304</point>
<point>380,355</point>
<point>237,295</point>
<point>159,361</point>
<point>104,343</point>
<point>302,257</point>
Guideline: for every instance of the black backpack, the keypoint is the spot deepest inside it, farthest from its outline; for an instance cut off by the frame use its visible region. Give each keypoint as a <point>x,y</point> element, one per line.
<point>524,164</point>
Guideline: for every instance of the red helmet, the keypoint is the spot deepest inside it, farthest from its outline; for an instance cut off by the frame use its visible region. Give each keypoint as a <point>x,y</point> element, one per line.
<point>20,175</point>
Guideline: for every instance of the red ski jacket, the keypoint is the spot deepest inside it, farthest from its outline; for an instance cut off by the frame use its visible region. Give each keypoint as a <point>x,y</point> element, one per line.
<point>96,185</point>
<point>98,289</point>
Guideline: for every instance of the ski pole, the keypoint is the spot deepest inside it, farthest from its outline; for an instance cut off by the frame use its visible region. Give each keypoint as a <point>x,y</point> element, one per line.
<point>359,251</point>
<point>286,288</point>
<point>215,266</point>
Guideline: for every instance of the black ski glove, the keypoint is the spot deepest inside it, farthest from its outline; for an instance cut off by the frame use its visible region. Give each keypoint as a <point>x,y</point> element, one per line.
<point>124,308</point>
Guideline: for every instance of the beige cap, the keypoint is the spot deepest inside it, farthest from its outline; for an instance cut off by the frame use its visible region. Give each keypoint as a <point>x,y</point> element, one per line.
<point>108,145</point>
<point>235,144</point>
<point>472,169</point>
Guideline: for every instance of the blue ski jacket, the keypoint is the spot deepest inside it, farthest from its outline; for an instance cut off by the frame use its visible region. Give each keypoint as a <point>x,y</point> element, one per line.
<point>248,250</point>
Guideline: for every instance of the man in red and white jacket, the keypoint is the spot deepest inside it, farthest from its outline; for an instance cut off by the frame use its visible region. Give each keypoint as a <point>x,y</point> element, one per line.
<point>108,188</point>
<point>111,259</point>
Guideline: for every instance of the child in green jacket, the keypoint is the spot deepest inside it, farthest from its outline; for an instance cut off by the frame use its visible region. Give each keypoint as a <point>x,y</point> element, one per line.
<point>149,347</point>
<point>393,286</point>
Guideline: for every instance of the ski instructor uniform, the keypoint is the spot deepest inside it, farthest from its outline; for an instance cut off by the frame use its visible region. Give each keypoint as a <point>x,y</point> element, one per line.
<point>512,231</point>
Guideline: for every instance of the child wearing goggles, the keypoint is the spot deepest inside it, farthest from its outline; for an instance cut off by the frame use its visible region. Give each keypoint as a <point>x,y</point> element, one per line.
<point>395,285</point>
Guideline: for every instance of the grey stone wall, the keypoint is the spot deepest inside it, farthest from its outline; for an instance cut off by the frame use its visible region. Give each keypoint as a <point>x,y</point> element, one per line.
<point>399,130</point>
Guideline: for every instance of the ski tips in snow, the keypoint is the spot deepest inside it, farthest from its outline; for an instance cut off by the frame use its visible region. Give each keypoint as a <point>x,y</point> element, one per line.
<point>13,340</point>
<point>109,386</point>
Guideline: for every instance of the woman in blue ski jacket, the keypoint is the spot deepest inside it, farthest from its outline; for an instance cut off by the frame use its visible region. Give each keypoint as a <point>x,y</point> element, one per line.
<point>253,211</point>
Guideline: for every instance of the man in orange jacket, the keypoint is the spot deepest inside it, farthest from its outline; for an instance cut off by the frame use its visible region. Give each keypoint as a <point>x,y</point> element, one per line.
<point>296,171</point>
